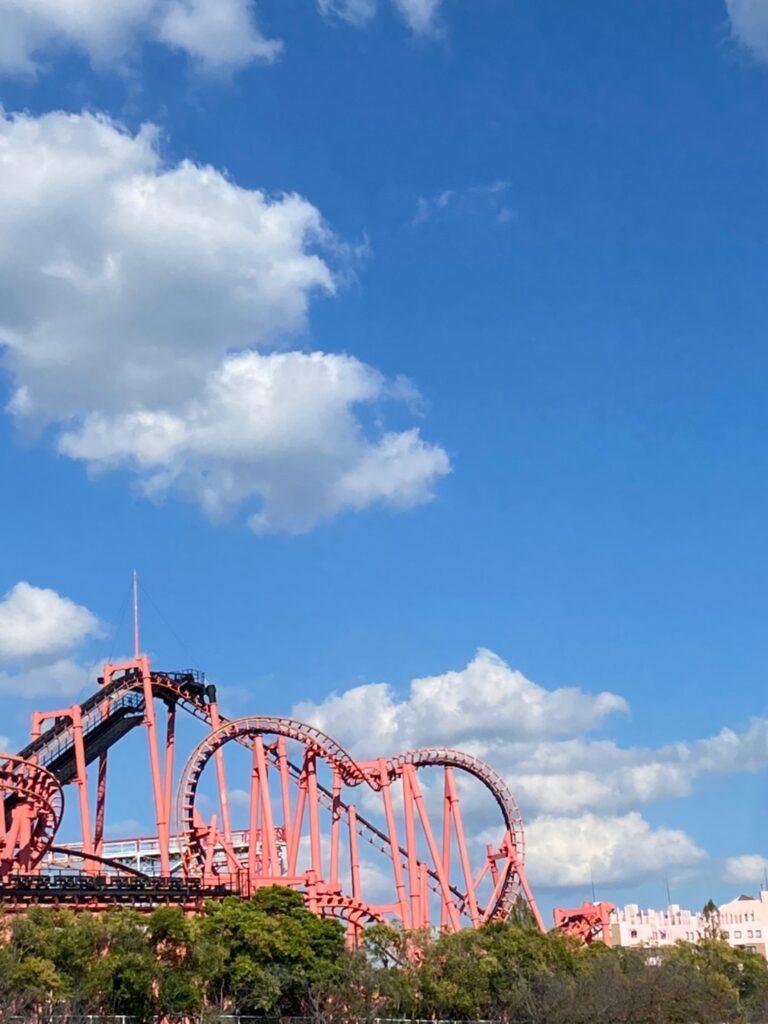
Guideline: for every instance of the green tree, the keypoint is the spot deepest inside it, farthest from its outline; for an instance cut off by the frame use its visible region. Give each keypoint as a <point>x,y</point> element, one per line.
<point>711,914</point>
<point>268,954</point>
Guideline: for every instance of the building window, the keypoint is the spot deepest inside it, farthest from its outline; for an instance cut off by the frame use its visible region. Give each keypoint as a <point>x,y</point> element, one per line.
<point>633,933</point>
<point>758,933</point>
<point>726,935</point>
<point>737,935</point>
<point>749,934</point>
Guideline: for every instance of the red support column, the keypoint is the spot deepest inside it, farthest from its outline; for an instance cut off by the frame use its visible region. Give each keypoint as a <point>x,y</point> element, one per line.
<point>499,878</point>
<point>12,836</point>
<point>491,855</point>
<point>253,823</point>
<point>170,742</point>
<point>446,843</point>
<point>410,846</point>
<point>424,896</point>
<point>101,800</point>
<point>209,850</point>
<point>298,822</point>
<point>268,842</point>
<point>221,778</point>
<point>450,906</point>
<point>354,854</point>
<point>335,825</point>
<point>405,910</point>
<point>82,786</point>
<point>154,760</point>
<point>463,851</point>
<point>314,816</point>
<point>285,788</point>
<point>534,905</point>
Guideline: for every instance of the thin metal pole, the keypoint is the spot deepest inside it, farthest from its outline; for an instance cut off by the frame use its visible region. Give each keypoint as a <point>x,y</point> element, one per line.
<point>136,649</point>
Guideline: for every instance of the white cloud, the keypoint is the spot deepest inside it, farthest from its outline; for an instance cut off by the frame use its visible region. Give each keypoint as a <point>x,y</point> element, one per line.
<point>534,736</point>
<point>36,622</point>
<point>579,795</point>
<point>39,632</point>
<point>62,678</point>
<point>749,24</point>
<point>473,200</point>
<point>486,699</point>
<point>133,299</point>
<point>278,428</point>
<point>218,34</point>
<point>571,851</point>
<point>356,12</point>
<point>419,15</point>
<point>579,774</point>
<point>750,868</point>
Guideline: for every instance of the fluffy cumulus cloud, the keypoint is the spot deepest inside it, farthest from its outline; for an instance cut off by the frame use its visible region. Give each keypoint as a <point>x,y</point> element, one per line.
<point>218,34</point>
<point>39,632</point>
<point>748,869</point>
<point>749,24</point>
<point>142,307</point>
<point>622,849</point>
<point>36,622</point>
<point>568,783</point>
<point>419,15</point>
<point>485,700</point>
<point>63,677</point>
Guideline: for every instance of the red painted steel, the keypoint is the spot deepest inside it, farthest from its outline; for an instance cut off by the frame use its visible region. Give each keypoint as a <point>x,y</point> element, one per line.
<point>591,922</point>
<point>419,862</point>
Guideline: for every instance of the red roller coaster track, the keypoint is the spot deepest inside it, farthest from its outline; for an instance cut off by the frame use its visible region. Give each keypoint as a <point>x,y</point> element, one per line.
<point>364,841</point>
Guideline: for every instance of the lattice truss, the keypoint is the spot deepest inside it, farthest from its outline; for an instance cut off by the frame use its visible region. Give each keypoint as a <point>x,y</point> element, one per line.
<point>261,800</point>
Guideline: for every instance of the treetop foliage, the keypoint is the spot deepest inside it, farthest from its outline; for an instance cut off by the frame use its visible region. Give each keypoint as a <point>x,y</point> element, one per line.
<point>270,957</point>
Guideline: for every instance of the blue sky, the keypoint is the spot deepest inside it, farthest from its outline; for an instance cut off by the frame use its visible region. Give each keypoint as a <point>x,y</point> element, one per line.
<point>525,243</point>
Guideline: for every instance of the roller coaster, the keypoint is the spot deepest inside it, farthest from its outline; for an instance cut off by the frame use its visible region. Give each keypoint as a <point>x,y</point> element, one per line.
<point>403,838</point>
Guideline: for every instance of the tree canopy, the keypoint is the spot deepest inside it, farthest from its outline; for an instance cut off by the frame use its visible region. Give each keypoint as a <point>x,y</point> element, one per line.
<point>270,957</point>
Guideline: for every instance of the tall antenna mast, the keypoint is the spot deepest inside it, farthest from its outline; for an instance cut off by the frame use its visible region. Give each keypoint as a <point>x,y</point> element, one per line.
<point>136,650</point>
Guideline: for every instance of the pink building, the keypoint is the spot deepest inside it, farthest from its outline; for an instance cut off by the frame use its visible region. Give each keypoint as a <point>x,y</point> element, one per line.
<point>743,922</point>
